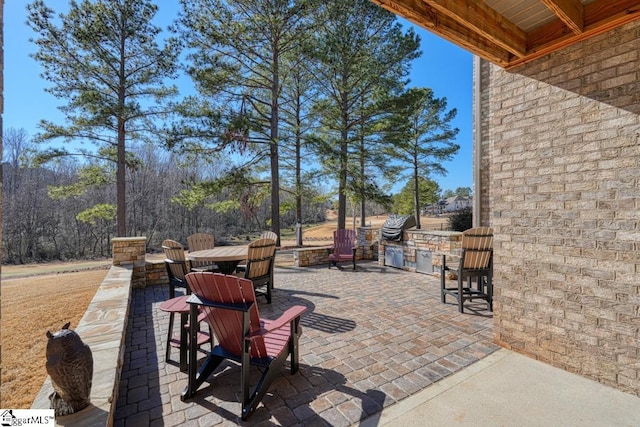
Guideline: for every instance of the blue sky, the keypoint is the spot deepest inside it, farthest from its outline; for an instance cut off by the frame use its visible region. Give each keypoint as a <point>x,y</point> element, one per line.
<point>443,66</point>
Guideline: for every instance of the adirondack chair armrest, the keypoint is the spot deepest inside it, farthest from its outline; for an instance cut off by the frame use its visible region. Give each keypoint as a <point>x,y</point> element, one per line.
<point>287,317</point>
<point>331,249</point>
<point>195,299</point>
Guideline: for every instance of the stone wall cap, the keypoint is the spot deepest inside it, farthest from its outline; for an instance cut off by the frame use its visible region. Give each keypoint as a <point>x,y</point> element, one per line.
<point>128,239</point>
<point>436,232</point>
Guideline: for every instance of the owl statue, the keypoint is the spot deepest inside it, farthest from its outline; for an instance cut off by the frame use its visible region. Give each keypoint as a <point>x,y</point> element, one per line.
<point>70,366</point>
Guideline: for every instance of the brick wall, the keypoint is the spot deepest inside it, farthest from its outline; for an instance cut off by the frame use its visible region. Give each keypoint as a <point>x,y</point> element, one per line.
<point>562,139</point>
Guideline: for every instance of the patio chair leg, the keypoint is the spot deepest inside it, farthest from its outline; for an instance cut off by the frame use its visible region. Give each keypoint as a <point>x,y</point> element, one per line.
<point>250,401</point>
<point>268,294</point>
<point>167,356</point>
<point>460,294</point>
<point>490,292</point>
<point>195,380</point>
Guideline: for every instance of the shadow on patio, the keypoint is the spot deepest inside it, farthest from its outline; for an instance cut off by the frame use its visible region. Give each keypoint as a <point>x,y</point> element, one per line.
<point>371,337</point>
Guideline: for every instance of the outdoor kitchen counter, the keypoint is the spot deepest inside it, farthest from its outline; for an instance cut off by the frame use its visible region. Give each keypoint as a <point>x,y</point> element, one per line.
<point>418,246</point>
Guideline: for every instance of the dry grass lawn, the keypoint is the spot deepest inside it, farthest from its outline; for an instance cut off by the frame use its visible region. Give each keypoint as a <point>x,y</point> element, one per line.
<point>30,307</point>
<point>325,230</point>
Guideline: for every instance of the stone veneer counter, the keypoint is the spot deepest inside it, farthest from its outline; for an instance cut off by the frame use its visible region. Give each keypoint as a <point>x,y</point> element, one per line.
<point>414,241</point>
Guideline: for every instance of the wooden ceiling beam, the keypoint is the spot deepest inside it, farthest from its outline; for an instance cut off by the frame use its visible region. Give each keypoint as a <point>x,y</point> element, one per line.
<point>475,26</point>
<point>599,17</point>
<point>570,12</point>
<point>482,19</point>
<point>610,12</point>
<point>430,19</point>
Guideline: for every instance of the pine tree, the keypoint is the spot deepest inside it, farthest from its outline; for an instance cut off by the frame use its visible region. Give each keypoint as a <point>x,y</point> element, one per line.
<point>420,137</point>
<point>359,55</point>
<point>240,54</point>
<point>103,58</point>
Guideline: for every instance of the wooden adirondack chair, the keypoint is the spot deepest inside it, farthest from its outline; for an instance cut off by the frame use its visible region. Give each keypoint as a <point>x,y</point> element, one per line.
<point>177,268</point>
<point>269,235</point>
<point>230,308</point>
<point>259,269</point>
<point>344,248</point>
<point>198,242</point>
<point>176,264</point>
<point>476,261</point>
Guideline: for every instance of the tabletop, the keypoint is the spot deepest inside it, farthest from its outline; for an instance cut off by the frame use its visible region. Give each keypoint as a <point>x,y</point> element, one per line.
<point>220,253</point>
<point>176,305</point>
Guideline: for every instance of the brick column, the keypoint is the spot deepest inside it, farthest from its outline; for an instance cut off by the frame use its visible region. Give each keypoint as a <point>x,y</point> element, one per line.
<point>131,250</point>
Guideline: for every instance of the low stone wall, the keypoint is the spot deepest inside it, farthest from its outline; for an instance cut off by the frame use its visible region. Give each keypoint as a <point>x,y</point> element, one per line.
<point>156,273</point>
<point>366,243</point>
<point>103,329</point>
<point>305,257</point>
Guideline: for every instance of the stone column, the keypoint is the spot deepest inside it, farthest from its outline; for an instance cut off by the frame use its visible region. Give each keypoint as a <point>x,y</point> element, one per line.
<point>131,251</point>
<point>367,241</point>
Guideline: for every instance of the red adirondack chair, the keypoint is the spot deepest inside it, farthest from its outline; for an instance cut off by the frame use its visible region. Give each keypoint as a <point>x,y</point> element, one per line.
<point>344,248</point>
<point>230,308</point>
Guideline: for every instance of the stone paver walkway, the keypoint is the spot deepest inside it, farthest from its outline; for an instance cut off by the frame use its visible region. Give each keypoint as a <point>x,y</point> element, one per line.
<point>371,337</point>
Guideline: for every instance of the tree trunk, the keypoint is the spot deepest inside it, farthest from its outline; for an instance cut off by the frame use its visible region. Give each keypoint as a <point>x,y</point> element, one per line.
<point>363,200</point>
<point>416,198</point>
<point>121,213</point>
<point>298,174</point>
<point>342,184</point>
<point>342,175</point>
<point>273,150</point>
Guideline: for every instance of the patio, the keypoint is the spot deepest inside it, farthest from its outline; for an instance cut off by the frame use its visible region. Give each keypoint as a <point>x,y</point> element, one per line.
<point>372,337</point>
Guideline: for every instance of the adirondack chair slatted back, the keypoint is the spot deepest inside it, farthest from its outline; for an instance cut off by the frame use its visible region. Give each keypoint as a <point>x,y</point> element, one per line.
<point>477,246</point>
<point>260,258</point>
<point>174,252</point>
<point>269,235</point>
<point>227,324</point>
<point>176,264</point>
<point>199,242</point>
<point>343,241</point>
<point>343,247</point>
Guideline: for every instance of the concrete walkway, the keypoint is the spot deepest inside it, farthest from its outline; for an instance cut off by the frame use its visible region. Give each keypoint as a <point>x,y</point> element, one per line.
<point>509,389</point>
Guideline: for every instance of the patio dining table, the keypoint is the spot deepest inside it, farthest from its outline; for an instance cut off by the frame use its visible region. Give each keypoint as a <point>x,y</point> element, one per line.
<point>226,257</point>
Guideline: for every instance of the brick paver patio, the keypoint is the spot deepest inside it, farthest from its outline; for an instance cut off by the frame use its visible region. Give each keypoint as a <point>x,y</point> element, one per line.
<point>371,337</point>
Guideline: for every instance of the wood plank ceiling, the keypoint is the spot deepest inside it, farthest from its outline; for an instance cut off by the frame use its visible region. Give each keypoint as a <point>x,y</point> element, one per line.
<point>512,32</point>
